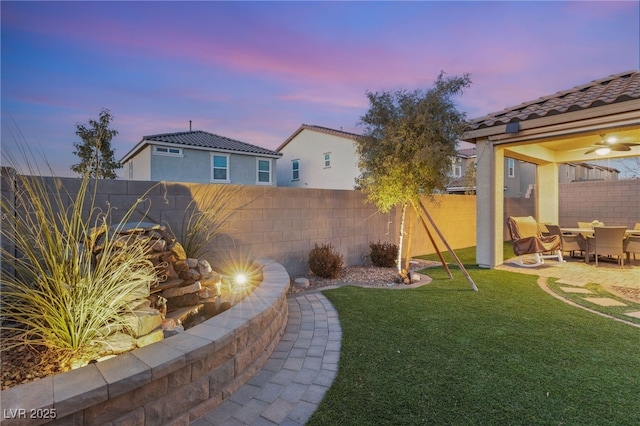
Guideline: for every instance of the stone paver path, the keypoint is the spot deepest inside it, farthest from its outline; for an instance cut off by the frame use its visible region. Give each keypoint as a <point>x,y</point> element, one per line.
<point>291,384</point>
<point>577,273</point>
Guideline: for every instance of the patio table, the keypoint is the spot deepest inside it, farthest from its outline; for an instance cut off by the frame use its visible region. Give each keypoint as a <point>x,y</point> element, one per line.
<point>589,233</point>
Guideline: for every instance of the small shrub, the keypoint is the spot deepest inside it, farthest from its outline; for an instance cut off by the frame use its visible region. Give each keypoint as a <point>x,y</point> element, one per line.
<point>324,261</point>
<point>383,254</point>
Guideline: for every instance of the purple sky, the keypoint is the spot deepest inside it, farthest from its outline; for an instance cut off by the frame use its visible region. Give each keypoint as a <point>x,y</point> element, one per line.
<point>255,71</point>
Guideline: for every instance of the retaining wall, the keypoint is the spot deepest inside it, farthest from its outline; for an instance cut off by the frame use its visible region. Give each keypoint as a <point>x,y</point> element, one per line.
<point>174,381</point>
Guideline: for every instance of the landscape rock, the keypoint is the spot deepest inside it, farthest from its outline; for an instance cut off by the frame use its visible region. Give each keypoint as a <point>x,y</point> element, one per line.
<point>301,282</point>
<point>155,336</point>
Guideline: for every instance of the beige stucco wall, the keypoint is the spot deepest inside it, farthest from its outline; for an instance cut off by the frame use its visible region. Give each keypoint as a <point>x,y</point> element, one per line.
<point>309,147</point>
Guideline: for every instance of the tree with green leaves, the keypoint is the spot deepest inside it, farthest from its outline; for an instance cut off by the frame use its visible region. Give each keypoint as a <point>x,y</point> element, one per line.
<point>95,153</point>
<point>408,144</point>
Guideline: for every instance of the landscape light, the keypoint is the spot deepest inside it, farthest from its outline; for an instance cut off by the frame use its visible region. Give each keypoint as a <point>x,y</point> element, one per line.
<point>241,279</point>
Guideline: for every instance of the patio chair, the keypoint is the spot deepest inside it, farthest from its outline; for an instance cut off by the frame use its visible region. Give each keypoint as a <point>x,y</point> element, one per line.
<point>607,241</point>
<point>527,239</point>
<point>632,245</point>
<point>571,243</point>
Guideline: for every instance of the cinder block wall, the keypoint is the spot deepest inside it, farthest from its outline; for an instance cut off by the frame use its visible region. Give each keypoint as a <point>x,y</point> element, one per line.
<point>283,223</point>
<point>610,202</point>
<point>455,217</point>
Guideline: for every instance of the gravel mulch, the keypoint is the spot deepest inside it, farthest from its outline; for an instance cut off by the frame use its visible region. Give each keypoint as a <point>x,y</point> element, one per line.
<point>366,276</point>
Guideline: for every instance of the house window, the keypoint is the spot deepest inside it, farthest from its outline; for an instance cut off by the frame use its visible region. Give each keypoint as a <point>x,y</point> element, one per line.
<point>264,171</point>
<point>457,167</point>
<point>130,164</point>
<point>163,150</point>
<point>327,160</point>
<point>512,167</point>
<point>295,170</point>
<point>220,169</point>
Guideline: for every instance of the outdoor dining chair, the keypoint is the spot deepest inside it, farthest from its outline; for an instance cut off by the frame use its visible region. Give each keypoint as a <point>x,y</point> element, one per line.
<point>528,239</point>
<point>607,241</point>
<point>632,245</point>
<point>571,243</point>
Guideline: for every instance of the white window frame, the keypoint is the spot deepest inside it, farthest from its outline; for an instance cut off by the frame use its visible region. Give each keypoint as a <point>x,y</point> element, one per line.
<point>327,160</point>
<point>213,168</point>
<point>511,167</point>
<point>457,167</point>
<point>167,151</point>
<point>258,171</point>
<point>295,169</point>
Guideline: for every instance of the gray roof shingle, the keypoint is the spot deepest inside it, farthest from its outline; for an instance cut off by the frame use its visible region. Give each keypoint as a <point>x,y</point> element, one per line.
<point>615,88</point>
<point>201,139</point>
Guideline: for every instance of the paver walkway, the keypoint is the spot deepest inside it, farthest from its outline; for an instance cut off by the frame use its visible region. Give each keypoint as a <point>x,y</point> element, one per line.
<point>291,384</point>
<point>576,272</point>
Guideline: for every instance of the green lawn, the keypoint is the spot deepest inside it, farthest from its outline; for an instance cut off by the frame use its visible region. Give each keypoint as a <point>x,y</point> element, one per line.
<point>507,354</point>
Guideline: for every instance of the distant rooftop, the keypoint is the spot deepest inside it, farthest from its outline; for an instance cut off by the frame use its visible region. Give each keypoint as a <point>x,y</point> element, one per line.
<point>199,138</point>
<point>320,129</point>
<point>615,88</point>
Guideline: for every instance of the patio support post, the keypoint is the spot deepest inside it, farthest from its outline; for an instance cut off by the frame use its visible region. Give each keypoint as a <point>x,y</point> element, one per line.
<point>490,204</point>
<point>548,193</point>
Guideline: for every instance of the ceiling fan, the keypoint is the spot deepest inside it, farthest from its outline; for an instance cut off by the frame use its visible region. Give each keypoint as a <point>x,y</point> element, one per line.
<point>608,144</point>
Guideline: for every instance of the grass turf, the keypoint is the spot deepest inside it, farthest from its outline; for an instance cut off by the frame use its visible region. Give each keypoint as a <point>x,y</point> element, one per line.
<point>508,354</point>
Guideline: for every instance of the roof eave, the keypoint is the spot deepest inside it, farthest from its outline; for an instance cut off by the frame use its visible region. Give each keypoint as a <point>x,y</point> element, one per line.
<point>146,142</point>
<point>625,113</point>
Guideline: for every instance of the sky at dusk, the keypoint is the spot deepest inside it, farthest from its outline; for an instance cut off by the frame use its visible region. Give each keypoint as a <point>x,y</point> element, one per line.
<point>256,71</point>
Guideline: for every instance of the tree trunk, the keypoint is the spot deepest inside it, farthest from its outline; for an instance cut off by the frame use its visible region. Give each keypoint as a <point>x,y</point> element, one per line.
<point>400,238</point>
<point>407,256</point>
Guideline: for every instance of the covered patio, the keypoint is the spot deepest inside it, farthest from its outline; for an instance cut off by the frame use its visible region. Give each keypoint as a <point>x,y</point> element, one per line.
<point>594,121</point>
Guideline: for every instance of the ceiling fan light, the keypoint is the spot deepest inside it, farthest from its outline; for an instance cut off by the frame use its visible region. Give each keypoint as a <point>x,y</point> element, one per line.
<point>603,151</point>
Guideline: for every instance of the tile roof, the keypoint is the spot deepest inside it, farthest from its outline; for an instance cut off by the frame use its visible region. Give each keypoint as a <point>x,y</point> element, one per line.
<point>615,88</point>
<point>594,166</point>
<point>467,152</point>
<point>201,139</point>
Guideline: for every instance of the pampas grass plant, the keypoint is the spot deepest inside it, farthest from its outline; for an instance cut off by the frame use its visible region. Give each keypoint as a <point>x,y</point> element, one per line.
<point>55,292</point>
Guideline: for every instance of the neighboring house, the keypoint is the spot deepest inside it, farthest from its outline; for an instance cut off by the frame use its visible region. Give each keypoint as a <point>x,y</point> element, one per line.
<point>319,157</point>
<point>463,172</point>
<point>200,157</point>
<point>520,176</point>
<point>580,172</point>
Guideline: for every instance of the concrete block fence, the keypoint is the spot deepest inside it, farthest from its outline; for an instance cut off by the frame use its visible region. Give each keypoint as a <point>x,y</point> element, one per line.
<point>610,202</point>
<point>174,381</point>
<point>285,223</point>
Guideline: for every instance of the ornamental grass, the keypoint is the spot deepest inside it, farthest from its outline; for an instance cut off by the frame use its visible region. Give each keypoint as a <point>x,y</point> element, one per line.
<point>55,292</point>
